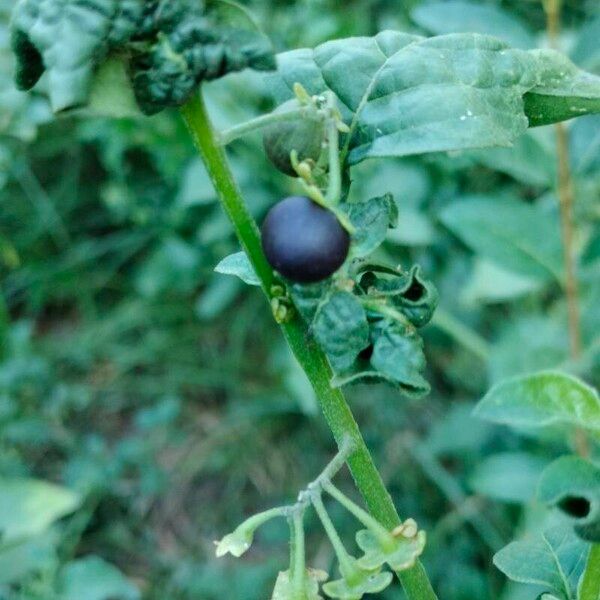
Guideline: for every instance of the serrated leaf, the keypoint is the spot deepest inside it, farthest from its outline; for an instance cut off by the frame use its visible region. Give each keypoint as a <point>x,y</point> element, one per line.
<point>555,561</point>
<point>459,16</point>
<point>372,219</point>
<point>29,506</point>
<point>541,399</point>
<point>517,236</point>
<point>572,484</point>
<point>340,326</point>
<point>405,95</point>
<point>93,578</point>
<point>238,264</point>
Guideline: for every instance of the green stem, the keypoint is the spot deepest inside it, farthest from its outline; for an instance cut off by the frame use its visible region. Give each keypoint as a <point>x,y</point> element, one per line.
<point>307,352</point>
<point>590,582</point>
<point>363,516</point>
<point>334,187</point>
<point>237,131</point>
<point>347,568</point>
<point>297,557</point>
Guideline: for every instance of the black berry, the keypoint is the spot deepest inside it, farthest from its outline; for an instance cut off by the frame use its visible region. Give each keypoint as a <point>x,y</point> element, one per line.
<point>304,241</point>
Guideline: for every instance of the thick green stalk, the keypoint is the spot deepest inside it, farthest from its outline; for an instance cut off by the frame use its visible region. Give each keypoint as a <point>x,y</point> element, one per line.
<point>590,583</point>
<point>309,355</point>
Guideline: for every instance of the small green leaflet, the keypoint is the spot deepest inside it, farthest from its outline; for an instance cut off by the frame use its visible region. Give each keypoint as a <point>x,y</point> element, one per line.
<point>238,264</point>
<point>541,399</point>
<point>572,484</point>
<point>554,561</point>
<point>403,94</point>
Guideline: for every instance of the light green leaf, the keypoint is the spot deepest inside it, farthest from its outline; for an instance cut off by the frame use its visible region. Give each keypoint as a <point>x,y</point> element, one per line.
<point>490,282</point>
<point>517,236</point>
<point>507,476</point>
<point>22,558</point>
<point>541,399</point>
<point>555,561</point>
<point>94,579</point>
<point>29,506</point>
<point>403,94</point>
<point>458,16</point>
<point>341,329</point>
<point>400,557</point>
<point>238,264</point>
<point>371,584</point>
<point>572,484</point>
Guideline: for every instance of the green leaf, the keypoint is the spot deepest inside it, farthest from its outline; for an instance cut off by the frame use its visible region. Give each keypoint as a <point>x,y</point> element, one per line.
<point>94,579</point>
<point>541,399</point>
<point>572,484</point>
<point>169,49</point>
<point>371,584</point>
<point>458,16</point>
<point>372,219</point>
<point>410,293</point>
<point>555,561</point>
<point>341,328</point>
<point>563,92</point>
<point>405,95</point>
<point>517,236</point>
<point>29,506</point>
<point>397,357</point>
<point>307,298</point>
<point>238,264</point>
<point>20,559</point>
<point>507,476</point>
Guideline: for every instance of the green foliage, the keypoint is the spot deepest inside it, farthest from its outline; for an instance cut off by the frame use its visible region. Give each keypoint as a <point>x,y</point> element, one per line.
<point>554,562</point>
<point>409,95</point>
<point>169,48</point>
<point>542,399</point>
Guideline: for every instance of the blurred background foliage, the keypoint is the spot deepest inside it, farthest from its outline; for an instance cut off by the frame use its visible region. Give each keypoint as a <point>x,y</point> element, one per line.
<point>162,394</point>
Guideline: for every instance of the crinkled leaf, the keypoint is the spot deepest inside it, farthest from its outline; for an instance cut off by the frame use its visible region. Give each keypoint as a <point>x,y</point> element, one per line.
<point>401,557</point>
<point>340,326</point>
<point>545,398</point>
<point>93,578</point>
<point>29,506</point>
<point>554,561</point>
<point>372,219</point>
<point>458,16</point>
<point>413,295</point>
<point>519,237</point>
<point>169,48</point>
<point>283,586</point>
<point>396,356</point>
<point>404,94</point>
<point>238,264</point>
<point>307,298</point>
<point>572,484</point>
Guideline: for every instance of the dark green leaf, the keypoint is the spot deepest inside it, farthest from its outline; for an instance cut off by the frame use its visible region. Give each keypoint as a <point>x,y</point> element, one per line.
<point>340,326</point>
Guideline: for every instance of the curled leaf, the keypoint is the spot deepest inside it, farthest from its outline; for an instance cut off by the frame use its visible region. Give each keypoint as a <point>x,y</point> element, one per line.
<point>371,583</point>
<point>284,591</point>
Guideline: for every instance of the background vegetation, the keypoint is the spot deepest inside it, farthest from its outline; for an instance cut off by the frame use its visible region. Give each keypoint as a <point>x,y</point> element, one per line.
<point>163,393</point>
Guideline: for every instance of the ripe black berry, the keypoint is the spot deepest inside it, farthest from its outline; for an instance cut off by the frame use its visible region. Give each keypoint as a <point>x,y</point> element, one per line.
<point>304,241</point>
